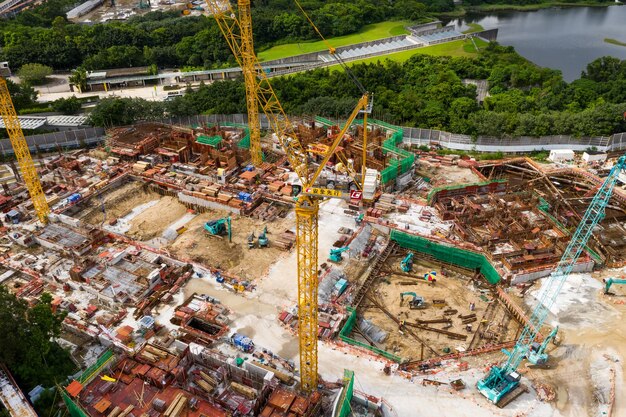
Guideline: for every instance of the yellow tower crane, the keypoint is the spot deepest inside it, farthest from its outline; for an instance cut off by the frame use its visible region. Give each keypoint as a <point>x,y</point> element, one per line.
<point>238,33</point>
<point>22,153</point>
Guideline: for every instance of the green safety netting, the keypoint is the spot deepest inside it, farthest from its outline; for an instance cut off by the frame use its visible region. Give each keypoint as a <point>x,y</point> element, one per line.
<point>74,409</point>
<point>323,121</point>
<point>244,143</point>
<point>405,159</point>
<point>446,253</point>
<point>209,140</point>
<point>348,382</point>
<point>85,377</point>
<point>344,335</point>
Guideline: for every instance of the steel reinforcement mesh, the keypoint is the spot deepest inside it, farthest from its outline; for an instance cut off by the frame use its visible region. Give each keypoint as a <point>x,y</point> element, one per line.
<point>450,254</point>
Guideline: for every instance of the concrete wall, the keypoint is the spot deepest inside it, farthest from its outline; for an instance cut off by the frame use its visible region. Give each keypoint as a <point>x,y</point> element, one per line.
<point>206,203</point>
<point>531,276</point>
<point>489,35</point>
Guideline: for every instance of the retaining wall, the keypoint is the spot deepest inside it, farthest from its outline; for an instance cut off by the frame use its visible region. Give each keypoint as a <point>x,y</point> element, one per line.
<point>448,253</point>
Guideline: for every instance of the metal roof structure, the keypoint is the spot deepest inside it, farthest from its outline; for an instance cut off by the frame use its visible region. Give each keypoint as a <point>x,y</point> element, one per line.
<point>66,120</point>
<point>83,8</point>
<point>13,398</point>
<point>28,122</point>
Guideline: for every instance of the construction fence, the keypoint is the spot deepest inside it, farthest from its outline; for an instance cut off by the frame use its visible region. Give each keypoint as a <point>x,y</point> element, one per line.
<point>448,253</point>
<point>72,139</point>
<point>51,142</point>
<point>345,332</point>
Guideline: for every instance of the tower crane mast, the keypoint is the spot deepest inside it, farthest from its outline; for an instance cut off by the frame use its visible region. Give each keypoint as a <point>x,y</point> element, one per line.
<point>502,382</point>
<point>237,29</point>
<point>22,153</point>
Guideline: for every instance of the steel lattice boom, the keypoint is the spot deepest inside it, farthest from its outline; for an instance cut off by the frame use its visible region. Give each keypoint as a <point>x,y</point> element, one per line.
<point>503,379</point>
<point>22,153</point>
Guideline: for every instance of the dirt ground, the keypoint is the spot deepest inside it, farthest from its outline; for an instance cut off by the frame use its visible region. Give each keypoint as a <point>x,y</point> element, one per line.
<point>457,291</point>
<point>117,203</point>
<point>154,220</point>
<point>592,341</point>
<point>453,288</point>
<point>196,244</point>
<point>449,175</point>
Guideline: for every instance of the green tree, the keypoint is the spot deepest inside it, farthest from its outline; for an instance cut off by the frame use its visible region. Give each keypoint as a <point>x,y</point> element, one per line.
<point>34,74</point>
<point>70,105</point>
<point>79,79</point>
<point>125,111</point>
<point>27,344</point>
<point>606,68</point>
<point>22,95</point>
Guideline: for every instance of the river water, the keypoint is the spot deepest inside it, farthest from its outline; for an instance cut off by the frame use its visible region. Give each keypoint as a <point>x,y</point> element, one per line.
<point>562,38</point>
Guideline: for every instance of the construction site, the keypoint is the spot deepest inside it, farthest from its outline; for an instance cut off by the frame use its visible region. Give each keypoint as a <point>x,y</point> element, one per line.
<point>319,268</point>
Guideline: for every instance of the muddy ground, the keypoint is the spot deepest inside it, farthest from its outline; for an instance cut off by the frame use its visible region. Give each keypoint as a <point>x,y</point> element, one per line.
<point>249,264</point>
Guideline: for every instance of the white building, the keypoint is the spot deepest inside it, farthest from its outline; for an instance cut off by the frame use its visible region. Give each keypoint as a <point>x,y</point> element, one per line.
<point>591,156</point>
<point>561,155</point>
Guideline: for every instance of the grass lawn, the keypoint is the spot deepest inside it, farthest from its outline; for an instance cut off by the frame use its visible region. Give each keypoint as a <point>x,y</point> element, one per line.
<point>614,41</point>
<point>368,33</point>
<point>473,27</point>
<point>454,48</point>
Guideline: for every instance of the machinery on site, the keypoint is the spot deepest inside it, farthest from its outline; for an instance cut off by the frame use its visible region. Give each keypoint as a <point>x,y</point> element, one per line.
<point>219,227</point>
<point>263,240</point>
<point>236,26</point>
<point>336,179</point>
<point>336,254</point>
<point>22,153</point>
<point>416,302</point>
<point>251,241</point>
<point>502,384</point>
<point>407,263</point>
<point>241,342</point>
<point>359,219</point>
<point>537,354</point>
<point>609,282</point>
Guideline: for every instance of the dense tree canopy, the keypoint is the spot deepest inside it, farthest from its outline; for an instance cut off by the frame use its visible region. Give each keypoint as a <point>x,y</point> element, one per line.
<point>27,346</point>
<point>429,92</point>
<point>167,39</point>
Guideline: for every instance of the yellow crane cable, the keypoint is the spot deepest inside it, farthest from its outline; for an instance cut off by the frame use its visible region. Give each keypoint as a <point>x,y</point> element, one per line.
<point>331,49</point>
